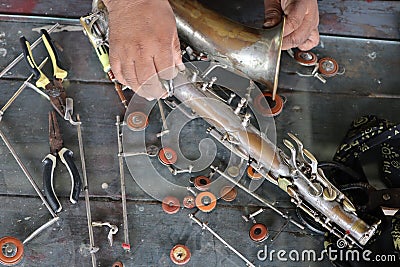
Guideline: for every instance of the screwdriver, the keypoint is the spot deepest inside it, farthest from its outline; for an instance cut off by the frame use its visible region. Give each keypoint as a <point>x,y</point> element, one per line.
<point>102,52</point>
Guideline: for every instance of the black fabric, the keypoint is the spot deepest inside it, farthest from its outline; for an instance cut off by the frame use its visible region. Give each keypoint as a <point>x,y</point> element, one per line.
<point>366,133</point>
<point>374,135</point>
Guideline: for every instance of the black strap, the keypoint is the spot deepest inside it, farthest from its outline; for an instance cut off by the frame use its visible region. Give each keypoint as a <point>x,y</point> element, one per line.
<point>366,133</point>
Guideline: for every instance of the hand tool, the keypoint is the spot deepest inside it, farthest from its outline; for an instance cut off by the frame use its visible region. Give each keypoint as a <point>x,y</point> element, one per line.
<point>93,248</point>
<point>20,56</point>
<point>35,186</point>
<point>27,174</point>
<point>54,89</point>
<point>126,245</point>
<point>93,29</point>
<point>50,162</point>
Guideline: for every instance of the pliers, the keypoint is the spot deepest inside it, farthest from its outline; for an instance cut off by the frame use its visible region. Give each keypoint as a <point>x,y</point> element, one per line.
<point>50,162</point>
<point>55,89</point>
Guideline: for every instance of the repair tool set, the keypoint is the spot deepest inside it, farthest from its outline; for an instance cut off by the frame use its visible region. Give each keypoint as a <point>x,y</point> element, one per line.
<point>233,147</point>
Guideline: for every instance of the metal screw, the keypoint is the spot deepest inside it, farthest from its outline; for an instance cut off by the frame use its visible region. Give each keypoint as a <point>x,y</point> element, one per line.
<point>306,56</point>
<point>240,105</point>
<point>9,250</point>
<point>168,155</point>
<point>213,80</point>
<point>232,96</point>
<point>246,120</point>
<point>328,65</point>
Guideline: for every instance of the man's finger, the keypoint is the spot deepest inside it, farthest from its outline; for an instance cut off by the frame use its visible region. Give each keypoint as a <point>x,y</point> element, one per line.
<point>273,13</point>
<point>165,66</point>
<point>311,42</point>
<point>148,79</point>
<point>115,64</point>
<point>295,14</point>
<point>299,36</point>
<point>128,75</point>
<point>178,53</point>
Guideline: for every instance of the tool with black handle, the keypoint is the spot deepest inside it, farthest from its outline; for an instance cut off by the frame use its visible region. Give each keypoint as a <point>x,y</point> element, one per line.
<point>50,162</point>
<point>54,89</point>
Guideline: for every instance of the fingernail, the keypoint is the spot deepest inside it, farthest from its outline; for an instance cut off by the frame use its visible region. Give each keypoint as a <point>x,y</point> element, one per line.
<point>269,23</point>
<point>181,67</point>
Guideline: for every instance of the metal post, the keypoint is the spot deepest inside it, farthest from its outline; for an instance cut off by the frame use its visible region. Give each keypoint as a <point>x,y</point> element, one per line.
<point>126,244</point>
<point>93,249</point>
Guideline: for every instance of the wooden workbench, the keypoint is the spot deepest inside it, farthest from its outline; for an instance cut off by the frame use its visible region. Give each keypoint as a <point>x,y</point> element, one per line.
<point>319,113</point>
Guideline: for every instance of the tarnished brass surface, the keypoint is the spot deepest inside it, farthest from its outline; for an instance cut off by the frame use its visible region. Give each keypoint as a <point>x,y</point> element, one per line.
<point>255,52</point>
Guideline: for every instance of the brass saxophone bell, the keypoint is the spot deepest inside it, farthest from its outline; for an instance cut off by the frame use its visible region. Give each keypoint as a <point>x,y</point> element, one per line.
<point>255,52</point>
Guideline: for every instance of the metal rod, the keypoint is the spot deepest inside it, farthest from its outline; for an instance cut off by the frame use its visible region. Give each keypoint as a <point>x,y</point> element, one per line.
<point>131,154</point>
<point>18,58</point>
<point>40,229</point>
<point>164,122</point>
<point>259,198</point>
<point>126,244</point>
<point>37,90</point>
<point>27,174</point>
<point>19,91</point>
<point>280,231</point>
<point>93,249</point>
<point>205,226</point>
<point>38,19</point>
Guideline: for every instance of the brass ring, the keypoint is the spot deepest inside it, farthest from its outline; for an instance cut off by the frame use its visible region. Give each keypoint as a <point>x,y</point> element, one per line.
<point>189,202</point>
<point>253,174</point>
<point>118,264</point>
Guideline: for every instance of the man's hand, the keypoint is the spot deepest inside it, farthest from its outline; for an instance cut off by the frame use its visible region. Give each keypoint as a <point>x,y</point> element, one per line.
<point>144,44</point>
<point>301,26</point>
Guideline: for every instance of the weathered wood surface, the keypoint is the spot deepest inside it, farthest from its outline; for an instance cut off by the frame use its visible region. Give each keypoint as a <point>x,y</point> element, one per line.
<point>153,234</point>
<point>319,114</point>
<point>374,19</point>
<point>359,57</point>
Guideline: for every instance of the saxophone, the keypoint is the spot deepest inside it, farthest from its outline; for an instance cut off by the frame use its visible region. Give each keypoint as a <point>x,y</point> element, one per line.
<point>257,54</point>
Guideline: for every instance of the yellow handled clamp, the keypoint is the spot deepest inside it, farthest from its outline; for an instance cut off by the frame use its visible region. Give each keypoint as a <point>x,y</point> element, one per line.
<point>41,80</point>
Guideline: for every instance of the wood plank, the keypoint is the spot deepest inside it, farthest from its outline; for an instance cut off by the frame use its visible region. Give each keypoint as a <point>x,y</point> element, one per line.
<point>371,68</point>
<point>153,234</point>
<point>320,120</point>
<point>373,19</point>
<point>360,58</point>
<point>319,115</point>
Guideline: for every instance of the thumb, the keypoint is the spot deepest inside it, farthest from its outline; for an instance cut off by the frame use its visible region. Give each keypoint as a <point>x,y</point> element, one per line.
<point>273,13</point>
